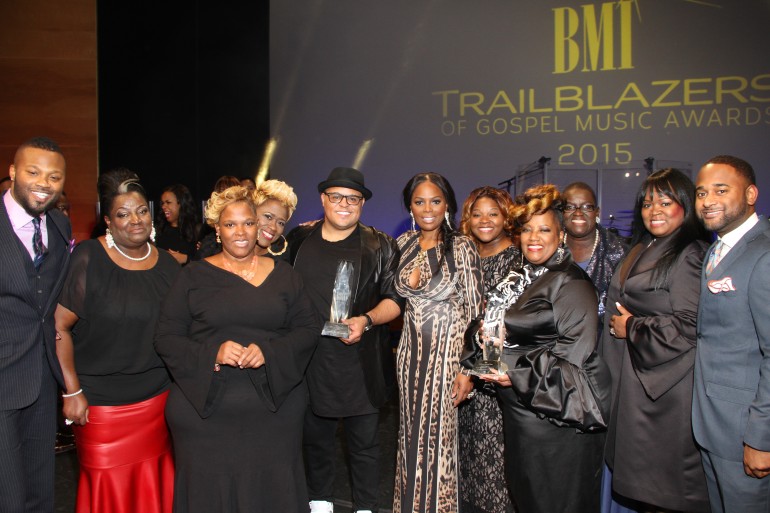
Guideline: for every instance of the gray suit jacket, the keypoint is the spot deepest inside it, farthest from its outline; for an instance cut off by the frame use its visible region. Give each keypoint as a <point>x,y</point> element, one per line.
<point>731,396</point>
<point>27,331</point>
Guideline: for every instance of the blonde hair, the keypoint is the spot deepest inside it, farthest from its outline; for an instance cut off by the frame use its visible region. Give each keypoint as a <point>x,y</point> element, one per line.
<point>277,190</point>
<point>536,201</point>
<point>221,200</point>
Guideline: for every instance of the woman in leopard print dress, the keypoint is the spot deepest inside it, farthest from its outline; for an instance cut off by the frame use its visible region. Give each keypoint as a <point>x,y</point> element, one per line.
<point>440,277</point>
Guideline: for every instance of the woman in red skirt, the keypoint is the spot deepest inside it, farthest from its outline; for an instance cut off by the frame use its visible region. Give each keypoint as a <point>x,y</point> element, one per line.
<point>116,383</point>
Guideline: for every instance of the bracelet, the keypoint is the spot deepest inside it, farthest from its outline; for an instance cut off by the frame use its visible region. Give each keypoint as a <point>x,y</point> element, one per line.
<point>73,394</point>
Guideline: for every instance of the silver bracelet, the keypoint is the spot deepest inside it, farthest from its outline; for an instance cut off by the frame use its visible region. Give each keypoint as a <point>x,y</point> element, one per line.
<point>73,394</point>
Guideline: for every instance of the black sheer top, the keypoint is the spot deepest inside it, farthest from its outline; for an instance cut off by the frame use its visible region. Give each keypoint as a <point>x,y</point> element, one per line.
<point>113,338</point>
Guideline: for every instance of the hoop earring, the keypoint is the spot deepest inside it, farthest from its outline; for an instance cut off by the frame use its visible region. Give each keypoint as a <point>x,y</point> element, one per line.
<point>283,250</point>
<point>152,233</point>
<point>414,229</point>
<point>219,241</point>
<point>110,240</point>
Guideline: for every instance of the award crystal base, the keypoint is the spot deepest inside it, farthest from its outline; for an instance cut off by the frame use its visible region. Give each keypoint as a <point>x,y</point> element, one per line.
<point>336,330</point>
<point>488,367</point>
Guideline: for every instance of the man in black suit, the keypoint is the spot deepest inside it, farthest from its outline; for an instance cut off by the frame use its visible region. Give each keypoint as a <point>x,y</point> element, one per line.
<point>34,252</point>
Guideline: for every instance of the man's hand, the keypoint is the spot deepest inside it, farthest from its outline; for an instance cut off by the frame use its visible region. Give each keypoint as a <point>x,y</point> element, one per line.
<point>356,325</point>
<point>756,463</point>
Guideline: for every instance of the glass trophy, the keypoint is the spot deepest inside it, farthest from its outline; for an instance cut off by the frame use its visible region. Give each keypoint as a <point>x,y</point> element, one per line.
<point>492,336</point>
<point>342,296</point>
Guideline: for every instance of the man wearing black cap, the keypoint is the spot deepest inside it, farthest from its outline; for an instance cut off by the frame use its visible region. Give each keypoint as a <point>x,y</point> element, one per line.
<point>348,378</point>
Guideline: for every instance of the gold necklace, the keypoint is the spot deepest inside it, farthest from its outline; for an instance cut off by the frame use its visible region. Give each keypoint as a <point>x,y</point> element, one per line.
<point>247,275</point>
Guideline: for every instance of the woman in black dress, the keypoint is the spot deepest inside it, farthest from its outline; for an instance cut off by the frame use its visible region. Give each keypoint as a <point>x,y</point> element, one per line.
<point>487,219</point>
<point>649,343</point>
<point>116,384</point>
<point>555,394</point>
<point>237,332</point>
<point>177,223</point>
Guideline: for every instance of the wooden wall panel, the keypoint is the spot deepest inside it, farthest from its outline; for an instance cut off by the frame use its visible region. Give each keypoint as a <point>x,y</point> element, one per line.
<point>48,86</point>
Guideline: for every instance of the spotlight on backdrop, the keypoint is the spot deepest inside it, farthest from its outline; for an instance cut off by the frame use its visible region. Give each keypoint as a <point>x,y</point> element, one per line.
<point>362,151</point>
<point>264,166</point>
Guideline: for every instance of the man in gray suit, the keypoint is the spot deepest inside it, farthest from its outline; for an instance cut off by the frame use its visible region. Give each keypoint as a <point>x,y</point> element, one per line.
<point>34,252</point>
<point>731,398</point>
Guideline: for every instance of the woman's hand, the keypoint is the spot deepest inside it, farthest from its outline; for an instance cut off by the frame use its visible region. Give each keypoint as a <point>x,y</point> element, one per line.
<point>500,379</point>
<point>618,322</point>
<point>461,388</point>
<point>75,409</point>
<point>229,353</point>
<point>251,357</point>
<point>179,257</point>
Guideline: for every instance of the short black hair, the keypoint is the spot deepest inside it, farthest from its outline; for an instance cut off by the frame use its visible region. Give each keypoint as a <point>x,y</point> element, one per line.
<point>41,143</point>
<point>744,168</point>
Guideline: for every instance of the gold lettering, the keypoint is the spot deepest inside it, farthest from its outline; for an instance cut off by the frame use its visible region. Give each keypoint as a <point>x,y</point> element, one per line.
<point>466,102</point>
<point>671,86</point>
<point>591,105</point>
<point>625,35</point>
<point>563,97</point>
<point>445,100</point>
<point>671,119</point>
<point>502,101</point>
<point>566,50</point>
<point>689,91</point>
<point>584,124</point>
<point>596,36</point>
<point>714,119</point>
<point>691,119</point>
<point>532,107</point>
<point>632,93</point>
<point>760,83</point>
<point>723,90</point>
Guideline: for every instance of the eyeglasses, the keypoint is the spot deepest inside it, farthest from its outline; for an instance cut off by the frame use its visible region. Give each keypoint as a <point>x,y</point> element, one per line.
<point>336,197</point>
<point>587,208</point>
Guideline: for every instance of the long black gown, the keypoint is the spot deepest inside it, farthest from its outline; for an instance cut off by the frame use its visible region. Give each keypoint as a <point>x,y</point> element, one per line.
<point>237,433</point>
<point>480,423</point>
<point>554,468</point>
<point>650,445</point>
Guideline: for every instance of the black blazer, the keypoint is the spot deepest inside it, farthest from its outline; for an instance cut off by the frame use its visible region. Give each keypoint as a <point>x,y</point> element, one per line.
<point>27,331</point>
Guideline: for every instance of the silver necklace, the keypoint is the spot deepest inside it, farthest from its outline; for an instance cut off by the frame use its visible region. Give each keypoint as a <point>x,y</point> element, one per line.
<point>145,257</point>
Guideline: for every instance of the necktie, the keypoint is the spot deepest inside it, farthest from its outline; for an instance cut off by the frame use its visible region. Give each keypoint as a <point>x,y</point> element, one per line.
<point>37,243</point>
<point>714,258</point>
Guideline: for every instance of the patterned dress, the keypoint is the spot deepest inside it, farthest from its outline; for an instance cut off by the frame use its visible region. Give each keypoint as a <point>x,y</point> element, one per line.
<point>438,310</point>
<point>482,476</point>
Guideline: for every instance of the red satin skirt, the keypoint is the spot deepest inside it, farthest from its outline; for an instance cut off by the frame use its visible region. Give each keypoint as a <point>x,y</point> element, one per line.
<point>126,461</point>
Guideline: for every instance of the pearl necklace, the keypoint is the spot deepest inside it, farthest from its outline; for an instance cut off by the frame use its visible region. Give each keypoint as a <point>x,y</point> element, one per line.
<point>145,257</point>
<point>247,275</point>
<point>593,249</point>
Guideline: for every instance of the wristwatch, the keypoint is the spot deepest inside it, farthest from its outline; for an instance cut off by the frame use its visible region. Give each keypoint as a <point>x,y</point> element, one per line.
<point>369,323</point>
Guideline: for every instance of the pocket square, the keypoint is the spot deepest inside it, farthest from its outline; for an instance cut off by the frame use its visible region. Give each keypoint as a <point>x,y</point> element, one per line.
<point>723,285</point>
